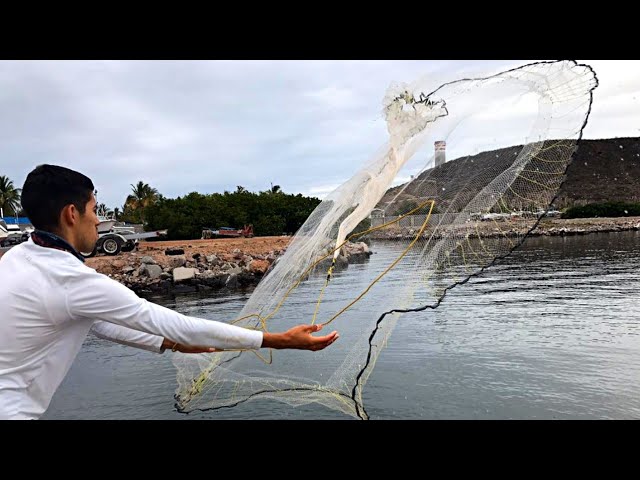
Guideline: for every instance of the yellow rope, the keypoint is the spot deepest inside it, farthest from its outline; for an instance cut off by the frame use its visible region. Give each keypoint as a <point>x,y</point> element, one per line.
<point>366,290</point>
<point>197,383</point>
<point>329,273</point>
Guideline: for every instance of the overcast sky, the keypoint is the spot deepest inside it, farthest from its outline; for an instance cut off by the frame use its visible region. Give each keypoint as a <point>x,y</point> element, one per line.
<point>209,126</point>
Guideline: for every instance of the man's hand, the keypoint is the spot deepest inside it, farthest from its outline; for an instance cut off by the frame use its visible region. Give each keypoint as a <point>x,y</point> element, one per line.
<point>300,338</point>
<point>177,347</point>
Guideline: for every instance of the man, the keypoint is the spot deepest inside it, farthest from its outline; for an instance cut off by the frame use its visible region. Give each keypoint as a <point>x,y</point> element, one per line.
<point>50,301</point>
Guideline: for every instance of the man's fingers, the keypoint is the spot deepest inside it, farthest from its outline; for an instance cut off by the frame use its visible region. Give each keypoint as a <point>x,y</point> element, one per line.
<point>325,343</point>
<point>333,336</point>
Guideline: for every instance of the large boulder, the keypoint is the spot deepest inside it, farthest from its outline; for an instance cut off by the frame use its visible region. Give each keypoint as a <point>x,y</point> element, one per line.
<point>181,274</point>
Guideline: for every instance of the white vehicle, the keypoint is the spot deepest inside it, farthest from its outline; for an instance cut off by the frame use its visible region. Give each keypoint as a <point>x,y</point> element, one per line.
<point>113,243</point>
<point>495,216</point>
<point>106,224</point>
<point>8,229</point>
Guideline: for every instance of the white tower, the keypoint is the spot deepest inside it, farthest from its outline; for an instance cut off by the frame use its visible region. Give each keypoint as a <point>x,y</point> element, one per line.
<point>441,147</point>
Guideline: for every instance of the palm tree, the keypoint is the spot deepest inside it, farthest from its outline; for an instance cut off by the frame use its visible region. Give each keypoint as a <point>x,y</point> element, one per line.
<point>116,213</point>
<point>9,196</point>
<point>275,189</point>
<point>143,196</point>
<point>103,210</point>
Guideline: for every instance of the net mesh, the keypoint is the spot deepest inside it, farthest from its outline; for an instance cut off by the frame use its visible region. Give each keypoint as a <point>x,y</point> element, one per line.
<point>510,137</point>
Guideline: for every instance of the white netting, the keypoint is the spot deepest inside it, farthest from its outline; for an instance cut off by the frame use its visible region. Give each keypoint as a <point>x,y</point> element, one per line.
<point>510,137</point>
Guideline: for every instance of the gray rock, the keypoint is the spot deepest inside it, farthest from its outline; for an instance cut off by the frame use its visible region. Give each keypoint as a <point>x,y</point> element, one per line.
<point>154,271</point>
<point>234,270</point>
<point>181,274</point>
<point>206,275</point>
<point>342,262</point>
<point>217,281</point>
<point>232,281</point>
<point>177,261</point>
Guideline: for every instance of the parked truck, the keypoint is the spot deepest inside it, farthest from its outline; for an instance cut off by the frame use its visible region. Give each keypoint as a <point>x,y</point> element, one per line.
<point>228,232</point>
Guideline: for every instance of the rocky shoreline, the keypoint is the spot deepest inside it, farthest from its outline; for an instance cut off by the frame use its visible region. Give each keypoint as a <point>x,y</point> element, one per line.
<point>165,268</point>
<point>551,227</point>
<point>584,226</point>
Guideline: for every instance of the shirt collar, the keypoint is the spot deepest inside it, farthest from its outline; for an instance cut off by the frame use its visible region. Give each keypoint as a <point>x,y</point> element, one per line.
<point>50,240</point>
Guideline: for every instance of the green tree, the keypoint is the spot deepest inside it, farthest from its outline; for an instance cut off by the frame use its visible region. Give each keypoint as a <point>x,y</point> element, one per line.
<point>275,189</point>
<point>9,196</point>
<point>270,212</point>
<point>143,195</point>
<point>103,210</point>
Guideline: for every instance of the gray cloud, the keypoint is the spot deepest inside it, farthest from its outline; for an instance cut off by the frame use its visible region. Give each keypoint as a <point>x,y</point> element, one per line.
<point>212,125</point>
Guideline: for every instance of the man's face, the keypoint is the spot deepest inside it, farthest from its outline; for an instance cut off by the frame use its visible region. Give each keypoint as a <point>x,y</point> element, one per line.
<point>88,226</point>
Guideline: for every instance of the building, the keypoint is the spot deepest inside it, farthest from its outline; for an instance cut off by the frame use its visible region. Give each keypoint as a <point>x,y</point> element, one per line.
<point>440,147</point>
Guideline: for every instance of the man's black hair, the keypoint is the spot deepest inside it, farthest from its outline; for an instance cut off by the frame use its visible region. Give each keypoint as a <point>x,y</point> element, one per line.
<point>50,188</point>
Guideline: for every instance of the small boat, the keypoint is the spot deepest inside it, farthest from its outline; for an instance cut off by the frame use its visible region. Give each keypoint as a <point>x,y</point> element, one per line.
<point>106,224</point>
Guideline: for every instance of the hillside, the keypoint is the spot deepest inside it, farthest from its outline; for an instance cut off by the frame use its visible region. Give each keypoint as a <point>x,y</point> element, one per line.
<point>601,170</point>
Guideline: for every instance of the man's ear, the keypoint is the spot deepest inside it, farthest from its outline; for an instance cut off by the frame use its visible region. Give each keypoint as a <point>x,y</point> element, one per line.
<point>69,215</point>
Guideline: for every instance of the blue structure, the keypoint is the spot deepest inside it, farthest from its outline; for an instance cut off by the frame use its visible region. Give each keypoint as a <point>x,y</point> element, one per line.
<point>16,220</point>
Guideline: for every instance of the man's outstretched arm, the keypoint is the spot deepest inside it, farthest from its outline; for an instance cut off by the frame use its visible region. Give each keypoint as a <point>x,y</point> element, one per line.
<point>298,337</point>
<point>94,296</point>
<point>127,336</point>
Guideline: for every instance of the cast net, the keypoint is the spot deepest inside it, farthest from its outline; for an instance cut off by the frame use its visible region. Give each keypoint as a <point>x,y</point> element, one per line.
<point>502,146</point>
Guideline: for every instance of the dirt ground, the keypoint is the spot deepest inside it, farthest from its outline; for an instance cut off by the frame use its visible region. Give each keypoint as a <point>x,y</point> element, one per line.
<point>223,248</point>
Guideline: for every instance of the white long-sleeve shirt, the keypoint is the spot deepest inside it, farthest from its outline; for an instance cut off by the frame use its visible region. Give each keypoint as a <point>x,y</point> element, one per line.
<point>50,300</point>
<point>127,336</point>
